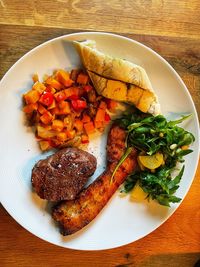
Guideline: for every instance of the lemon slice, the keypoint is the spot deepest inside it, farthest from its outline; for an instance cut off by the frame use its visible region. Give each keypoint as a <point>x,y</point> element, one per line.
<point>151,162</point>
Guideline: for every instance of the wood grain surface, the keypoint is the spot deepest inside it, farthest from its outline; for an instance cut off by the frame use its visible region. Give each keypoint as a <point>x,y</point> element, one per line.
<point>155,17</point>
<point>171,28</point>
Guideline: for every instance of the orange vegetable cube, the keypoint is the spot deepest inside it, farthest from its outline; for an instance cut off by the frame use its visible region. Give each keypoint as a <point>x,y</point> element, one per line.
<point>71,91</point>
<point>57,125</point>
<point>82,78</point>
<point>50,89</point>
<point>35,78</point>
<point>100,115</point>
<point>52,82</point>
<point>78,125</point>
<point>63,77</point>
<point>31,97</point>
<point>44,145</point>
<point>62,104</point>
<point>55,111</point>
<point>89,127</point>
<point>65,108</point>
<point>40,87</point>
<point>84,139</point>
<point>45,132</point>
<point>68,122</point>
<point>30,108</point>
<point>99,124</point>
<point>86,118</point>
<point>41,109</point>
<point>62,136</point>
<point>60,96</point>
<point>103,105</point>
<point>71,134</point>
<point>46,118</point>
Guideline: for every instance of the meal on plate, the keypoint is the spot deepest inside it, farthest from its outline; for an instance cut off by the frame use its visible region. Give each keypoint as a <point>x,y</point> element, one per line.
<point>143,149</point>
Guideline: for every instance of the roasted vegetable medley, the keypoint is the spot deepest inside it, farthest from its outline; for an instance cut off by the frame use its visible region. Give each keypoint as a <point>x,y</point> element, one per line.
<point>65,109</point>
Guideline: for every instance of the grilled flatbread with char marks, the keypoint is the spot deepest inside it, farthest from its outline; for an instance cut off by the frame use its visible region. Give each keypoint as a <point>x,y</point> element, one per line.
<point>118,79</point>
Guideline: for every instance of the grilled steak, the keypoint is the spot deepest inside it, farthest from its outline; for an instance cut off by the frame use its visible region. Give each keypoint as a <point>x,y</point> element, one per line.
<point>63,175</point>
<point>73,215</point>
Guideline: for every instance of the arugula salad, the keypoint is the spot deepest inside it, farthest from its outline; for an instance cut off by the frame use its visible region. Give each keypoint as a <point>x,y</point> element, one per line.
<point>161,145</point>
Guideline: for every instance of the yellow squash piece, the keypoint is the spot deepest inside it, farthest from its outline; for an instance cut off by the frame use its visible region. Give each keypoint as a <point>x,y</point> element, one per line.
<point>151,162</point>
<point>109,88</point>
<point>137,194</point>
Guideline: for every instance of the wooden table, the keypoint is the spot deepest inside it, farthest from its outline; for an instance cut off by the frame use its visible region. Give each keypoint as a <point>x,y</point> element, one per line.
<point>171,28</point>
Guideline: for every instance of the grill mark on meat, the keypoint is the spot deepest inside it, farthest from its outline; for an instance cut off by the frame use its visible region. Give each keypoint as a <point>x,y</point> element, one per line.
<point>75,214</point>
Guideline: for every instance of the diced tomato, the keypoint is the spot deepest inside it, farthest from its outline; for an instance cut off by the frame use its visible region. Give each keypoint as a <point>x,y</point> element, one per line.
<point>107,117</point>
<point>79,104</point>
<point>46,98</point>
<point>87,88</point>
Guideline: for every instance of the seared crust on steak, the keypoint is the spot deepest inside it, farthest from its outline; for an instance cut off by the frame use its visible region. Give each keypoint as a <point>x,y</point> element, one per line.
<point>63,175</point>
<point>74,215</point>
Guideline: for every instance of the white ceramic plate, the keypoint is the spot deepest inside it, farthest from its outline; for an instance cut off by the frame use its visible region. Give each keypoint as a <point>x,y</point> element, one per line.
<point>121,221</point>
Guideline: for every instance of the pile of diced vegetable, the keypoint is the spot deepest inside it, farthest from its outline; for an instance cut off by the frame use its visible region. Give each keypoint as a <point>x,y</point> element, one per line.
<point>65,109</point>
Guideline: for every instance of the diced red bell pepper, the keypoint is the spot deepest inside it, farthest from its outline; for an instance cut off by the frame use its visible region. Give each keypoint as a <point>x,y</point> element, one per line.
<point>107,118</point>
<point>79,104</point>
<point>46,98</point>
<point>87,88</point>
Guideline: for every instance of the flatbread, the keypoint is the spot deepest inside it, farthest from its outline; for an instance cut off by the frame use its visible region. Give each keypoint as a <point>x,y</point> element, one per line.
<point>113,74</point>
